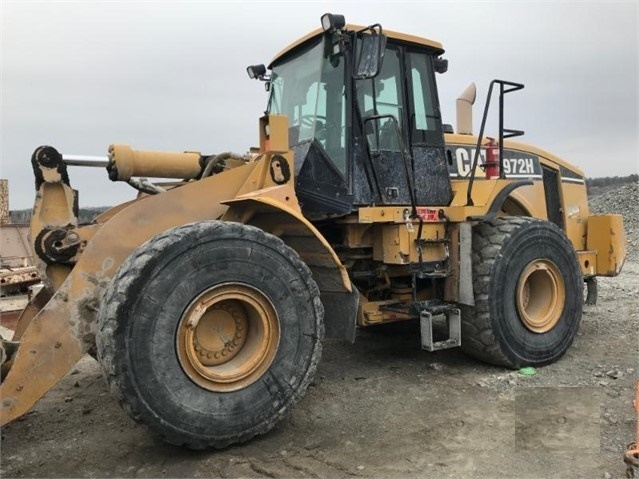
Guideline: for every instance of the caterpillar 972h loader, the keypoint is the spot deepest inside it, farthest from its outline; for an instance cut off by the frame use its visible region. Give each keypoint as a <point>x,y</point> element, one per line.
<point>206,299</point>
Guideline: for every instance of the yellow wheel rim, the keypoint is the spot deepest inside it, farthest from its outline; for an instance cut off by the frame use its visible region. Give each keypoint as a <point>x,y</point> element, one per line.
<point>541,296</point>
<point>228,337</point>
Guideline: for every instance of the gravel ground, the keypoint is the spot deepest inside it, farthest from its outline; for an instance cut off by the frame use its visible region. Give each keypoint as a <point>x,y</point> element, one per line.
<point>623,200</point>
<point>379,408</point>
<point>384,408</point>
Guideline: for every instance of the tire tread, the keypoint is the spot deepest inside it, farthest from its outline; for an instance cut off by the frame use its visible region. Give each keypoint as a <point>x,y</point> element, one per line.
<point>489,240</point>
<point>116,301</point>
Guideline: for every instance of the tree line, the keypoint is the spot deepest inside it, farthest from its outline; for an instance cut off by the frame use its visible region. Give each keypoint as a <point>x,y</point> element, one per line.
<point>85,215</point>
<point>611,180</point>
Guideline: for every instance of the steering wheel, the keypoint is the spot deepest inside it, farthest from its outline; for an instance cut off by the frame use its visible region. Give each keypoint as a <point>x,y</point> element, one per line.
<point>308,121</point>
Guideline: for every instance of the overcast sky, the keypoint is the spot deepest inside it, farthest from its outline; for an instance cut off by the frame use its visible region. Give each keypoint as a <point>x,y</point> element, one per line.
<point>171,75</point>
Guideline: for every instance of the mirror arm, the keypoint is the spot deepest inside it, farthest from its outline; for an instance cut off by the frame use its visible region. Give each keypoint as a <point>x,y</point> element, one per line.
<point>372,29</point>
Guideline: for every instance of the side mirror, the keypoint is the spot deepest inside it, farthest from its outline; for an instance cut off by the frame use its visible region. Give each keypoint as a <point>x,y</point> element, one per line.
<point>369,52</point>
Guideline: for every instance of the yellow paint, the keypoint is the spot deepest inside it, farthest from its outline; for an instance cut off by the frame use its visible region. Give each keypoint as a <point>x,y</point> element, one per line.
<point>588,262</point>
<point>370,312</point>
<point>244,208</point>
<point>574,202</point>
<point>402,37</point>
<point>154,164</point>
<point>544,155</point>
<point>607,238</point>
<point>274,134</point>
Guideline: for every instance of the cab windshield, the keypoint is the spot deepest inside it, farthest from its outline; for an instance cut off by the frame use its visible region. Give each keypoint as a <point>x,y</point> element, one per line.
<point>308,87</point>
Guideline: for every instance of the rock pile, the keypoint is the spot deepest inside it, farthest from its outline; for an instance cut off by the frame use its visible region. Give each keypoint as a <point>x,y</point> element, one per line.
<point>624,201</point>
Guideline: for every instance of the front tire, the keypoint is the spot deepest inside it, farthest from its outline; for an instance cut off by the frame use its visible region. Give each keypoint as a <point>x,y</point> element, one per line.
<point>528,293</point>
<point>210,332</point>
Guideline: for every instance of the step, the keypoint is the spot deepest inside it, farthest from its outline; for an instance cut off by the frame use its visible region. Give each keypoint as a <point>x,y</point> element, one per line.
<point>453,320</point>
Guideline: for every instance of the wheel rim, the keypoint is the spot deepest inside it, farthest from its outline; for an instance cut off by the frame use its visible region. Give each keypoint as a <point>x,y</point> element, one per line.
<point>228,337</point>
<point>541,295</point>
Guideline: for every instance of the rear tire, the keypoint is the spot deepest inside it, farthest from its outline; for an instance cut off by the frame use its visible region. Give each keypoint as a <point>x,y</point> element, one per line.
<point>528,293</point>
<point>210,332</point>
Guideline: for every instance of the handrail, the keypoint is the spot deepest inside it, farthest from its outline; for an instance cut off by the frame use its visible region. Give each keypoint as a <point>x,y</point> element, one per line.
<point>503,132</point>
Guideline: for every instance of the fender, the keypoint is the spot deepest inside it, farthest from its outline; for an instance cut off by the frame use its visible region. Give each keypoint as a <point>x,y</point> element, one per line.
<point>270,209</point>
<point>498,201</point>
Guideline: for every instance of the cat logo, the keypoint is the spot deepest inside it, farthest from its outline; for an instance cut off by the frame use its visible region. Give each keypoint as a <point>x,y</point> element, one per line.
<point>516,164</point>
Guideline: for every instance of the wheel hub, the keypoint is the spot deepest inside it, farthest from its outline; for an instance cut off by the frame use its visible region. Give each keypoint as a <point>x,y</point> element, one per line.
<point>221,333</point>
<point>541,295</point>
<point>228,337</point>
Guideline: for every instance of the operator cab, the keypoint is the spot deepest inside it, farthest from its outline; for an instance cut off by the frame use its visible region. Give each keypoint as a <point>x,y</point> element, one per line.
<point>364,118</point>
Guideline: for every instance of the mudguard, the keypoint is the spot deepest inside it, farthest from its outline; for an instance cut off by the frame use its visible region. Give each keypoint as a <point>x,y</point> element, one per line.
<point>270,209</point>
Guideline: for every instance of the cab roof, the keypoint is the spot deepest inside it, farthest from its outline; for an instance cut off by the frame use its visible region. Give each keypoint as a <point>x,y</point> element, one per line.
<point>402,37</point>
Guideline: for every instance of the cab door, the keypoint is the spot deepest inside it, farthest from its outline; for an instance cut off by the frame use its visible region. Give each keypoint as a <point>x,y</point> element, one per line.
<point>430,168</point>
<point>382,110</point>
<point>401,122</point>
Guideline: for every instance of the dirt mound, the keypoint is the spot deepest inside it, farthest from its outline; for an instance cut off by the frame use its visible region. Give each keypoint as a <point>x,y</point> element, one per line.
<point>623,200</point>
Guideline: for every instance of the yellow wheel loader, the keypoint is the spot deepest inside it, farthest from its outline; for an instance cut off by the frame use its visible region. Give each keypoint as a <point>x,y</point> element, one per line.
<point>206,298</point>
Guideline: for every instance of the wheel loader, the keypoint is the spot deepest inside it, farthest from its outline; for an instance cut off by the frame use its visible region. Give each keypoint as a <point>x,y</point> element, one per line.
<point>207,297</point>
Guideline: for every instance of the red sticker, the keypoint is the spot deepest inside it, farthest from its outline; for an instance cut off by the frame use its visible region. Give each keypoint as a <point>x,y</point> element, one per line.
<point>427,214</point>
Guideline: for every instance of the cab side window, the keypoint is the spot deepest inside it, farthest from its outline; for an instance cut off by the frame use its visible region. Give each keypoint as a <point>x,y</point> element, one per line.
<point>424,125</point>
<point>383,95</point>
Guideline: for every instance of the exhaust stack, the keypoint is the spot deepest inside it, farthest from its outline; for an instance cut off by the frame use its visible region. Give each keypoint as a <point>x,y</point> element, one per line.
<point>465,103</point>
